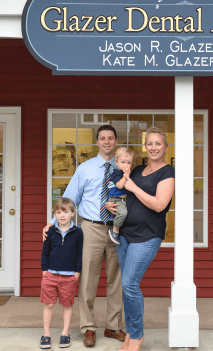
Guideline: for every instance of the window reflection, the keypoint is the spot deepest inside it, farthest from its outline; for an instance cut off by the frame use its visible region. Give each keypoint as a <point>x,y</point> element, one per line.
<point>198,129</point>
<point>86,152</point>
<point>63,160</point>
<point>60,183</point>
<point>119,122</point>
<point>0,196</point>
<point>170,219</point>
<point>1,168</point>
<point>198,194</point>
<point>0,225</point>
<point>1,139</point>
<point>198,161</point>
<point>137,125</point>
<point>198,226</point>
<point>167,124</point>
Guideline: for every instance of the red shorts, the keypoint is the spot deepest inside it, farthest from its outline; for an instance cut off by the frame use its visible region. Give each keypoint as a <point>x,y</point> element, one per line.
<point>53,285</point>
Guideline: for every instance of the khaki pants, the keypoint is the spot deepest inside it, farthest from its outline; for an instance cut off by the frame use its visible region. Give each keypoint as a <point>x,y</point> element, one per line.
<point>96,244</point>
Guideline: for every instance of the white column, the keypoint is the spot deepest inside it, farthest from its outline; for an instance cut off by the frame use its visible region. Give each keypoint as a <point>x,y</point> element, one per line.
<point>183,315</point>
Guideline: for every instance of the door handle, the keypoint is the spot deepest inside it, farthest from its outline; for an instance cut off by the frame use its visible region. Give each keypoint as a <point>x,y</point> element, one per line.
<point>12,212</point>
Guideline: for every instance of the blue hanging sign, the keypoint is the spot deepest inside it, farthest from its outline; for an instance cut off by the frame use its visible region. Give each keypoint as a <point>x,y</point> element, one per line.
<point>163,37</point>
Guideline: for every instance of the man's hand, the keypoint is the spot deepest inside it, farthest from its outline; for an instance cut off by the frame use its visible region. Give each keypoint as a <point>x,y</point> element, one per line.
<point>45,229</point>
<point>44,272</point>
<point>111,207</point>
<point>77,275</point>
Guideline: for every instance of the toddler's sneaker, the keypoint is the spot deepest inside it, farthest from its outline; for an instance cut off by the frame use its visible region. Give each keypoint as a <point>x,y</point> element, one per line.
<point>115,237</point>
<point>45,342</point>
<point>64,341</point>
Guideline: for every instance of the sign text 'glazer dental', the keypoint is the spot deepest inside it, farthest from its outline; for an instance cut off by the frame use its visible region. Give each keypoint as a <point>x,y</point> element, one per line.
<point>84,38</point>
<point>90,23</point>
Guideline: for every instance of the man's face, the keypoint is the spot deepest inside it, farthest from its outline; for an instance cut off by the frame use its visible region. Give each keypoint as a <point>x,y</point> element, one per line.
<point>106,143</point>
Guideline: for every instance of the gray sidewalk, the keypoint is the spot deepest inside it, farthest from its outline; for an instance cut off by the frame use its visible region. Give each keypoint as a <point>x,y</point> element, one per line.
<point>27,339</point>
<point>21,325</point>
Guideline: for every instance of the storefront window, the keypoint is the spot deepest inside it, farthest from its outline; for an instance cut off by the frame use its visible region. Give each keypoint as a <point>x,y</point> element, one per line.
<point>73,141</point>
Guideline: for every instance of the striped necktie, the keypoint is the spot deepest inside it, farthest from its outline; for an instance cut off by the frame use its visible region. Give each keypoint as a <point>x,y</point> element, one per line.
<point>104,213</point>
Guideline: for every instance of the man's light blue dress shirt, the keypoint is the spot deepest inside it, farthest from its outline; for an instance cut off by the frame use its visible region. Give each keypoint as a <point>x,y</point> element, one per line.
<point>85,187</point>
<point>63,235</point>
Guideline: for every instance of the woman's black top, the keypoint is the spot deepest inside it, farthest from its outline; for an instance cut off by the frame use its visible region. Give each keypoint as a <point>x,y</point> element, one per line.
<point>142,223</point>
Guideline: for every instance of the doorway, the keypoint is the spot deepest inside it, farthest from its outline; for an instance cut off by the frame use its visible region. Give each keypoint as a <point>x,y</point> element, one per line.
<point>10,179</point>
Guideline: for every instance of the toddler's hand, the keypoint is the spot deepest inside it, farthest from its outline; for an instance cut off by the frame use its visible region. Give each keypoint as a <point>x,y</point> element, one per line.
<point>126,171</point>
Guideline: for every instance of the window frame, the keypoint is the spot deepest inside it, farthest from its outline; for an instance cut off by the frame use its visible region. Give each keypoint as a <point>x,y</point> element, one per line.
<point>153,112</point>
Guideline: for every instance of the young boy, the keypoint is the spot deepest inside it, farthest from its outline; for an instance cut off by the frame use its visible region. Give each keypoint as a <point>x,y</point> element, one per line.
<point>61,262</point>
<point>117,193</point>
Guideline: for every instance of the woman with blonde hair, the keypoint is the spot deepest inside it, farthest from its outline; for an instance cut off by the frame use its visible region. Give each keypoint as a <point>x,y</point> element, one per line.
<point>149,192</point>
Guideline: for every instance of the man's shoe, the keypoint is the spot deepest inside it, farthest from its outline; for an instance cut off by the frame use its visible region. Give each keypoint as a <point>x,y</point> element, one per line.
<point>118,335</point>
<point>89,338</point>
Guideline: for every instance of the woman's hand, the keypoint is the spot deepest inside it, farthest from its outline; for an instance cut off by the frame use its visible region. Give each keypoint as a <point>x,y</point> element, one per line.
<point>130,185</point>
<point>45,229</point>
<point>111,207</point>
<point>77,275</point>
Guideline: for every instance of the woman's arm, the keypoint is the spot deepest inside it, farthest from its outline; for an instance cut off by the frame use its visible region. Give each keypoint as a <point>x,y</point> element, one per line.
<point>158,203</point>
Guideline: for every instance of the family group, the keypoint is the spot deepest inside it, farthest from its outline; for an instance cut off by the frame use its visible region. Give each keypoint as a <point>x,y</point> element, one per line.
<point>123,219</point>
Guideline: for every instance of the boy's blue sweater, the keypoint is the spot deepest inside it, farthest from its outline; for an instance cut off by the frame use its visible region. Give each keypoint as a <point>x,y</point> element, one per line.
<point>62,254</point>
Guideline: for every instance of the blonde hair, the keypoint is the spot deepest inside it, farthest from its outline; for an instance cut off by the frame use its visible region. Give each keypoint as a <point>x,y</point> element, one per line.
<point>62,203</point>
<point>159,131</point>
<point>122,151</point>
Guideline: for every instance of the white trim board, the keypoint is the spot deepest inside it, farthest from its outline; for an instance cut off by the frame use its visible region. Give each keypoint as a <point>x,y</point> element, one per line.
<point>10,27</point>
<point>10,18</point>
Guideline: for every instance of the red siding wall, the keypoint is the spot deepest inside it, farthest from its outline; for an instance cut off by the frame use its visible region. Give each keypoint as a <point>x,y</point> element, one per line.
<point>26,83</point>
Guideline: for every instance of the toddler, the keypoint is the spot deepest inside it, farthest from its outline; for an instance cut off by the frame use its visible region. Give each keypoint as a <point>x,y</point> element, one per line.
<point>123,159</point>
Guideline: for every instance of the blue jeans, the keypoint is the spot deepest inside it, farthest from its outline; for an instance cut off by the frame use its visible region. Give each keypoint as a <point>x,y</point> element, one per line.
<point>134,259</point>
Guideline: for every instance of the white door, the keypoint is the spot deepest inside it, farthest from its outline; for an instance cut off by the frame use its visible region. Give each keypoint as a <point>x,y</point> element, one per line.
<point>10,200</point>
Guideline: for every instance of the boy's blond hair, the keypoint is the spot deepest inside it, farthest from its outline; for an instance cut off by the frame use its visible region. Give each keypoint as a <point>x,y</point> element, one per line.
<point>62,203</point>
<point>122,151</point>
<point>158,131</point>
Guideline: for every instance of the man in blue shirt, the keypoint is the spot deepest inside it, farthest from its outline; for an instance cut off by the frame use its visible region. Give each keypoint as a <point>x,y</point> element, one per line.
<point>85,190</point>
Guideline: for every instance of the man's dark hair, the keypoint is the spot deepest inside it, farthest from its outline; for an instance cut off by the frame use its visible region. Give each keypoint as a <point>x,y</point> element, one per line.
<point>106,127</point>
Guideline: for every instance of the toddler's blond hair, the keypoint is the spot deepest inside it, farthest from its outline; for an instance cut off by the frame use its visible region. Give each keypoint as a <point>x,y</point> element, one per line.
<point>122,151</point>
